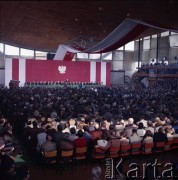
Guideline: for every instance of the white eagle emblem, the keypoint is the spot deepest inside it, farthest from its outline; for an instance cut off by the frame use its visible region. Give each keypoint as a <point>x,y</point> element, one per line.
<point>62,69</point>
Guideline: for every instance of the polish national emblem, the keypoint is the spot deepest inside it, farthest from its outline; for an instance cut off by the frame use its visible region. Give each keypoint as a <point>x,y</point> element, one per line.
<point>62,69</point>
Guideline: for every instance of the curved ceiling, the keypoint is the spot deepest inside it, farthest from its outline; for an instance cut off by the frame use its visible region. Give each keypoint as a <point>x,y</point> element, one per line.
<point>46,24</point>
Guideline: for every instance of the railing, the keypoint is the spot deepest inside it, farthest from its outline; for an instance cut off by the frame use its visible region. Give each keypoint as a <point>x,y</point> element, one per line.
<point>143,74</point>
<point>128,81</point>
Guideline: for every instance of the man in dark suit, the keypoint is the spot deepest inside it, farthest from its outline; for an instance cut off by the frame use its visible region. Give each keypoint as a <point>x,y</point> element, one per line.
<point>66,144</point>
<point>58,135</point>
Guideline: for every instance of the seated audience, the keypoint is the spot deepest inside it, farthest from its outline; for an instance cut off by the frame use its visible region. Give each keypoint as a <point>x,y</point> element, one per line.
<point>123,138</point>
<point>160,136</point>
<point>148,137</point>
<point>129,127</point>
<point>73,135</point>
<point>66,144</point>
<point>41,138</point>
<point>168,133</point>
<point>58,135</point>
<point>97,133</point>
<point>141,130</point>
<point>150,127</point>
<point>49,145</point>
<point>134,138</point>
<point>80,141</point>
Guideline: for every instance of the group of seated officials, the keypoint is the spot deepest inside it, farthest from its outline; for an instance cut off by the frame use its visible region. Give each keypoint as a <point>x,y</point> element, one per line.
<point>67,82</point>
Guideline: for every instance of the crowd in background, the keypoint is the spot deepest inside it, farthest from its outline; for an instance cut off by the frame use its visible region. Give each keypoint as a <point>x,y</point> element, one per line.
<point>161,68</point>
<point>52,119</point>
<point>67,82</point>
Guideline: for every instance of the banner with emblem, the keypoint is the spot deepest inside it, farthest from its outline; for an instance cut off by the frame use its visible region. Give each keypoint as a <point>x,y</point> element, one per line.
<point>28,70</point>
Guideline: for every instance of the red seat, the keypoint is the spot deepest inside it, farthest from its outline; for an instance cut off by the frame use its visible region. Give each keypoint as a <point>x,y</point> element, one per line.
<point>135,148</point>
<point>147,148</point>
<point>80,154</point>
<point>98,153</point>
<point>174,143</point>
<point>159,147</point>
<point>114,152</point>
<point>125,150</point>
<point>168,145</point>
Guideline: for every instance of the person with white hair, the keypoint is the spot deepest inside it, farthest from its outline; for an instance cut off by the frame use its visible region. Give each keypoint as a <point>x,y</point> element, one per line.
<point>119,126</point>
<point>142,120</point>
<point>96,173</point>
<point>97,133</point>
<point>129,127</point>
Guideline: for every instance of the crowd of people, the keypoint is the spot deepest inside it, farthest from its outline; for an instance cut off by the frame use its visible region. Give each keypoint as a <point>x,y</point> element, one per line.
<point>161,68</point>
<point>61,83</point>
<point>47,119</point>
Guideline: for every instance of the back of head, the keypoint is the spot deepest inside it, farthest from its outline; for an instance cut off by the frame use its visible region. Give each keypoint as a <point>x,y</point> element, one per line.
<point>97,126</point>
<point>161,130</point>
<point>48,137</point>
<point>168,121</point>
<point>167,130</point>
<point>148,133</point>
<point>123,134</point>
<point>111,127</point>
<point>59,127</point>
<point>130,121</point>
<point>82,119</point>
<point>96,172</point>
<point>35,124</point>
<point>72,122</point>
<point>80,133</point>
<point>86,128</point>
<point>72,130</point>
<point>140,125</point>
<point>149,123</point>
<point>122,122</point>
<point>29,122</point>
<point>66,135</point>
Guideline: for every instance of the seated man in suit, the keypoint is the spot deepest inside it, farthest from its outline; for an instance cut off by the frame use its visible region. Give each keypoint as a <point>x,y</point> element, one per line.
<point>80,141</point>
<point>66,144</point>
<point>49,145</point>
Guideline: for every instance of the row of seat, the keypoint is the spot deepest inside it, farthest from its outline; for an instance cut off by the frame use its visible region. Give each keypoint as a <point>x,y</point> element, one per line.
<point>64,158</point>
<point>67,157</point>
<point>135,148</point>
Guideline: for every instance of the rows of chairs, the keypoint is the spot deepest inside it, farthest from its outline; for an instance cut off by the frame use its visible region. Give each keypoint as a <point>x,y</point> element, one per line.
<point>64,158</point>
<point>135,149</point>
<point>72,157</point>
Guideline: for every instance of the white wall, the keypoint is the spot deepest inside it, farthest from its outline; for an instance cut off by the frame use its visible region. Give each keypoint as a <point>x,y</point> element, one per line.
<point>117,77</point>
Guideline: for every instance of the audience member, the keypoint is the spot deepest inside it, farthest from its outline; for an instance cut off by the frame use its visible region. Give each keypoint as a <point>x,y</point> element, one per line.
<point>134,138</point>
<point>66,144</point>
<point>49,145</point>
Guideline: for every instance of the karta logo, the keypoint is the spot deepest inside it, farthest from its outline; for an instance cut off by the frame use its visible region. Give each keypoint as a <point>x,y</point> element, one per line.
<point>62,69</point>
<point>135,170</point>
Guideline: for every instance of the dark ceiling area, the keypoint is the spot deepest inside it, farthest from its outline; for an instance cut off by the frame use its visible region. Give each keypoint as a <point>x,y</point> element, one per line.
<point>43,25</point>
